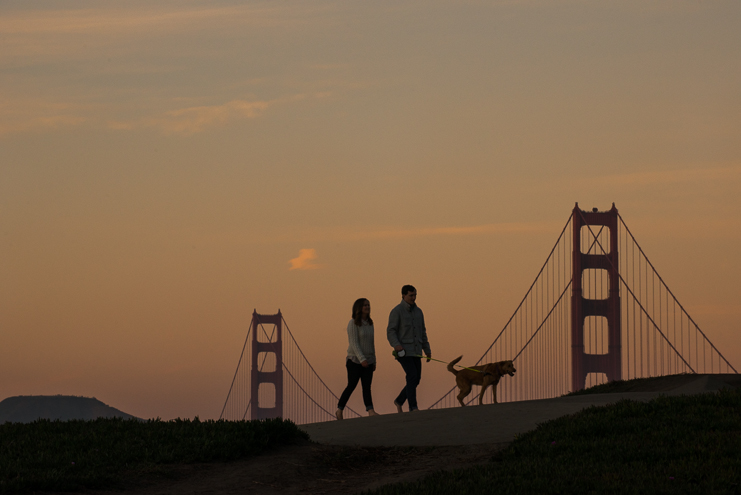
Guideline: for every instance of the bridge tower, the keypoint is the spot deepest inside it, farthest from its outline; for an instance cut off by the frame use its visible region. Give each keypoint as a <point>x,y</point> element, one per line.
<point>582,363</point>
<point>272,352</point>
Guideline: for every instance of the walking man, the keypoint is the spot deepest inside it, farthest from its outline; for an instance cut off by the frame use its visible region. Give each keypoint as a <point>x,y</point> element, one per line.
<point>408,336</point>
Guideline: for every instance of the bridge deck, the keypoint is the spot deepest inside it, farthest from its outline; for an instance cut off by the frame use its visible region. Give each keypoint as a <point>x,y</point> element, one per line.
<point>495,423</point>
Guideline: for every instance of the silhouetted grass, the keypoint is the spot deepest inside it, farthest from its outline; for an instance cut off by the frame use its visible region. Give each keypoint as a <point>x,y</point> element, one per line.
<point>687,444</point>
<point>632,385</point>
<point>71,455</point>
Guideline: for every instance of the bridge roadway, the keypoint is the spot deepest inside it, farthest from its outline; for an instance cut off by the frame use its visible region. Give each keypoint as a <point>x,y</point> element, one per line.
<point>493,423</point>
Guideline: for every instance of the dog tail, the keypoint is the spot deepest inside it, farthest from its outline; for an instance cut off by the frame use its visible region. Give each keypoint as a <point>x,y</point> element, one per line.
<point>453,363</point>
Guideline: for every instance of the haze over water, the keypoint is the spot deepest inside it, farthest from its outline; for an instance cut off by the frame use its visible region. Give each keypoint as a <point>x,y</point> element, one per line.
<point>166,169</point>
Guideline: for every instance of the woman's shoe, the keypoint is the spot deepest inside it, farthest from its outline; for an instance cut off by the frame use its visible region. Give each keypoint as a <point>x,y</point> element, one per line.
<point>371,412</point>
<point>338,413</point>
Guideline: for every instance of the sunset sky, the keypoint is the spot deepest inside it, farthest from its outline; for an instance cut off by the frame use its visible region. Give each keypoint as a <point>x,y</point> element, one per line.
<point>168,167</point>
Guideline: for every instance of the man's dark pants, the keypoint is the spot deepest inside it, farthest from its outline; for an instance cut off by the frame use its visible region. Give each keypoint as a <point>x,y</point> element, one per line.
<point>413,369</point>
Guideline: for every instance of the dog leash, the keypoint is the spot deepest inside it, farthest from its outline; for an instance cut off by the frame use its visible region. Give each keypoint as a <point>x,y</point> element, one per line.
<point>439,361</point>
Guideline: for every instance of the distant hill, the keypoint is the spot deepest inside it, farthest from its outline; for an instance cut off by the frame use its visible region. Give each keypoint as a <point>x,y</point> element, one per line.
<point>28,408</point>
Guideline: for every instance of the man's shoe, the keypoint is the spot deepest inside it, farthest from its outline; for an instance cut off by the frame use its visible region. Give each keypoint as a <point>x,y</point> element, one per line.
<point>371,412</point>
<point>338,413</point>
<point>398,407</point>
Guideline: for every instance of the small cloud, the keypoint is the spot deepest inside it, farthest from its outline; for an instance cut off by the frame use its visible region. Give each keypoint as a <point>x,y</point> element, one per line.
<point>26,115</point>
<point>34,114</point>
<point>195,119</point>
<point>304,261</point>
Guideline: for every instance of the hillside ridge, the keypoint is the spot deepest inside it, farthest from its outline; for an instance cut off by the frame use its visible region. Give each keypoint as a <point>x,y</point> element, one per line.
<point>28,408</point>
<point>501,423</point>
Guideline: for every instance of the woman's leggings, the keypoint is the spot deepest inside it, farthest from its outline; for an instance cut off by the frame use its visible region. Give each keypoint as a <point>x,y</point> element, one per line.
<point>357,372</point>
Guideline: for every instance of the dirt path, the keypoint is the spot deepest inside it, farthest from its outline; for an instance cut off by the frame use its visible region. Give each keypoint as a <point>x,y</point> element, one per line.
<point>310,468</point>
<point>328,468</point>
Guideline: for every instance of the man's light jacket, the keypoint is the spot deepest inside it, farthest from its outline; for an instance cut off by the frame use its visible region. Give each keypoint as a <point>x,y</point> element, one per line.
<point>407,328</point>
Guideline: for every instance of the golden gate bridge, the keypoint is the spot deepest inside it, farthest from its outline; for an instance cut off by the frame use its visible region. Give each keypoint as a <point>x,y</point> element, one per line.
<point>597,311</point>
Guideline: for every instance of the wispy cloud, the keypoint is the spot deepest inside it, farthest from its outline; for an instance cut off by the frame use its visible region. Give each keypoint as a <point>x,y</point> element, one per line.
<point>46,34</point>
<point>125,19</point>
<point>344,234</point>
<point>489,228</point>
<point>643,179</point>
<point>304,260</point>
<point>36,115</point>
<point>191,120</point>
<point>195,119</point>
<point>31,114</point>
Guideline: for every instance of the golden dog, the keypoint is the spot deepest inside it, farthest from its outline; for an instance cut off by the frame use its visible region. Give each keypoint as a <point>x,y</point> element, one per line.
<point>485,375</point>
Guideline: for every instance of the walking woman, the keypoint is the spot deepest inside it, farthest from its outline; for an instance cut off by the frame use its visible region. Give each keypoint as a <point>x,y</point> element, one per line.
<point>361,356</point>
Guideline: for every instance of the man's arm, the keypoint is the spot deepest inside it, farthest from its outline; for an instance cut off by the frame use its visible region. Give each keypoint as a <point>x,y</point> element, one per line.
<point>425,342</point>
<point>392,331</point>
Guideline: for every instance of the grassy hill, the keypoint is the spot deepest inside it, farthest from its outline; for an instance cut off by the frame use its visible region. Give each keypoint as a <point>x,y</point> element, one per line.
<point>75,455</point>
<point>672,444</point>
<point>708,382</point>
<point>28,408</point>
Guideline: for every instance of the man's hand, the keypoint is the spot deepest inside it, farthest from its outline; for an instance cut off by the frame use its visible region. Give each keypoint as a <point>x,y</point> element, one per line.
<point>398,348</point>
<point>429,356</point>
<point>364,364</point>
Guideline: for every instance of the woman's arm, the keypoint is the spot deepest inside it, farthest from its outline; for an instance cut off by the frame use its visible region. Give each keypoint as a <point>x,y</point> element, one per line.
<point>353,336</point>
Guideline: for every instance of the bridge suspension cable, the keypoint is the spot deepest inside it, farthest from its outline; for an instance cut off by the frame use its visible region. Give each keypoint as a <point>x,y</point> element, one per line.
<point>313,401</point>
<point>660,308</point>
<point>304,396</point>
<point>542,311</point>
<point>658,336</point>
<point>655,335</point>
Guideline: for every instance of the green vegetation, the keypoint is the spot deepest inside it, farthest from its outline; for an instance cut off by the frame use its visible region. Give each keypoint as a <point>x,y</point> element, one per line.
<point>636,385</point>
<point>687,444</point>
<point>72,455</point>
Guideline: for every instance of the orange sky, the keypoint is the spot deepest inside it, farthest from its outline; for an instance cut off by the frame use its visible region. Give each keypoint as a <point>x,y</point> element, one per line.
<point>161,166</point>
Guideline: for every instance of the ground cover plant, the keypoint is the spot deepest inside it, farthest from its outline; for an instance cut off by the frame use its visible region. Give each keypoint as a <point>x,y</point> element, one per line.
<point>632,385</point>
<point>686,444</point>
<point>71,455</point>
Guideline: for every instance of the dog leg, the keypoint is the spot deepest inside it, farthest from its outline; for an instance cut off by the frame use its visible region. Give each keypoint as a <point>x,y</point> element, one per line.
<point>465,390</point>
<point>483,389</point>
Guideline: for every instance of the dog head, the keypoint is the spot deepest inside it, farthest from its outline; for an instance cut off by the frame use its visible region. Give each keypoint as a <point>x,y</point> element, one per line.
<point>507,368</point>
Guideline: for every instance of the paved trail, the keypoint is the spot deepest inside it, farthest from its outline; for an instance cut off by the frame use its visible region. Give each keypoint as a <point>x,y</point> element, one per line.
<point>487,424</point>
